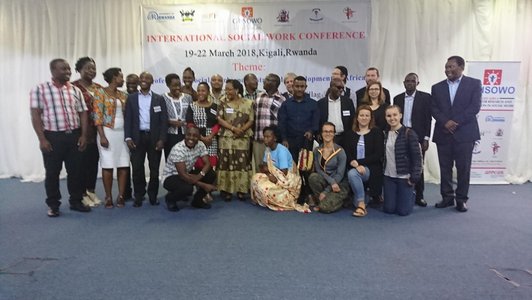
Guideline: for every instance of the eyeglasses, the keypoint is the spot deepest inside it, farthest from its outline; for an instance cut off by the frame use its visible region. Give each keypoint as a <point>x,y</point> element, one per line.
<point>328,131</point>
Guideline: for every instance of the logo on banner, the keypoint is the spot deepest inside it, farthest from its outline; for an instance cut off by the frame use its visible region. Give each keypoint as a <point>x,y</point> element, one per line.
<point>283,16</point>
<point>155,16</point>
<point>187,15</point>
<point>492,76</point>
<point>211,16</point>
<point>499,132</point>
<point>316,15</point>
<point>247,12</point>
<point>349,13</point>
<point>495,148</point>
<point>491,118</point>
<point>247,17</point>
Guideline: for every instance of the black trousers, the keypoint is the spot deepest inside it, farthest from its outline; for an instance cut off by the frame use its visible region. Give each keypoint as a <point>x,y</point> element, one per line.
<point>89,166</point>
<point>450,154</point>
<point>138,156</point>
<point>65,149</point>
<point>179,190</point>
<point>420,185</point>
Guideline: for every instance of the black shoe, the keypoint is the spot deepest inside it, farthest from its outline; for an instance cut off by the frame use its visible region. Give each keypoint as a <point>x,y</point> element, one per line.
<point>79,207</point>
<point>154,201</point>
<point>421,202</point>
<point>53,212</point>
<point>445,203</point>
<point>376,202</point>
<point>226,196</point>
<point>172,207</point>
<point>461,206</point>
<point>200,204</point>
<point>137,203</point>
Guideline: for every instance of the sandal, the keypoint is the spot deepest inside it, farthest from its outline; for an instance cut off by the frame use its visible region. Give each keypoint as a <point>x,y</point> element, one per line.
<point>120,202</point>
<point>109,202</point>
<point>360,212</point>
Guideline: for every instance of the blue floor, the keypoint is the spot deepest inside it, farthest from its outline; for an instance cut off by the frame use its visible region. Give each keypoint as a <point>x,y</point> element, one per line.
<point>239,251</point>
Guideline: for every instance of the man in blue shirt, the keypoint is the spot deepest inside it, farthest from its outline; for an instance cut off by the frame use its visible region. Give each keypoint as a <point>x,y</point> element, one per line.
<point>298,119</point>
<point>298,122</point>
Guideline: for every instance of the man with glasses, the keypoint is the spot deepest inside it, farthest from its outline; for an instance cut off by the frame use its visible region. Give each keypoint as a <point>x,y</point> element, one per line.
<point>336,109</point>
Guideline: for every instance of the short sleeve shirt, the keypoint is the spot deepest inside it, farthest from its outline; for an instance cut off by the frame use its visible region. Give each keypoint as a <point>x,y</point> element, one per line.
<point>181,153</point>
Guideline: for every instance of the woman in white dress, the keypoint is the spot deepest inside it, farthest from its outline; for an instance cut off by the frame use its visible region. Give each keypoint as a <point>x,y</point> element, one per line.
<point>108,116</point>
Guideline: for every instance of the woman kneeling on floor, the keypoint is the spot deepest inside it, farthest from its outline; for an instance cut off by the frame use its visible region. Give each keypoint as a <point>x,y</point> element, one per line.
<point>328,185</point>
<point>402,167</point>
<point>278,184</point>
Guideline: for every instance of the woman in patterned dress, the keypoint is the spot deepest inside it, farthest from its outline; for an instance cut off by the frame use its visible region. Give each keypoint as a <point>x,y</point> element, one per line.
<point>109,121</point>
<point>277,184</point>
<point>234,165</point>
<point>177,104</point>
<point>203,114</point>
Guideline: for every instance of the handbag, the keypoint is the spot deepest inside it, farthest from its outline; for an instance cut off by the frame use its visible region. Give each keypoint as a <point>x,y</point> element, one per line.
<point>305,161</point>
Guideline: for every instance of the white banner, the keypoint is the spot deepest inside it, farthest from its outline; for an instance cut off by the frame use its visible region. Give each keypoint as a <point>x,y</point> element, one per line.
<point>309,39</point>
<point>499,89</point>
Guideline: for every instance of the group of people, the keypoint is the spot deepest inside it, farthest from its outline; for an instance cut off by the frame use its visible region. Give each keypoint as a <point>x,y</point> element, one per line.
<point>370,151</point>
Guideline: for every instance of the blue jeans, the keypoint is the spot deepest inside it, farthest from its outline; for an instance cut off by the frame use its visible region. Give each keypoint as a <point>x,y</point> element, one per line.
<point>398,196</point>
<point>356,182</point>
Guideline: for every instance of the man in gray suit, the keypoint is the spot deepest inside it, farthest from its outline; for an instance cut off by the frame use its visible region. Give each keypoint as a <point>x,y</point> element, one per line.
<point>456,102</point>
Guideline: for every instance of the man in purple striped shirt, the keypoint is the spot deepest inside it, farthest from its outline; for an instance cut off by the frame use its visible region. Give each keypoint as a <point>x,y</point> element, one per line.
<point>59,118</point>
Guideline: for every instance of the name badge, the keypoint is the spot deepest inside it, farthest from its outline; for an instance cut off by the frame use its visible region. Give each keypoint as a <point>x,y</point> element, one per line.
<point>157,109</point>
<point>213,111</point>
<point>229,110</point>
<point>346,113</point>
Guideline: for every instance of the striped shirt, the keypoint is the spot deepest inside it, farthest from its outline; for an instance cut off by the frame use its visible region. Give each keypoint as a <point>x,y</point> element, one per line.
<point>60,105</point>
<point>266,109</point>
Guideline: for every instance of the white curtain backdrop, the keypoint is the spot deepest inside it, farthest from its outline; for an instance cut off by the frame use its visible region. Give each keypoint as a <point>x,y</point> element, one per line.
<point>406,36</point>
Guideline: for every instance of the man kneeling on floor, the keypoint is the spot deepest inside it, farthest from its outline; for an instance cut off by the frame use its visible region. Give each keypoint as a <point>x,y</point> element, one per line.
<point>179,174</point>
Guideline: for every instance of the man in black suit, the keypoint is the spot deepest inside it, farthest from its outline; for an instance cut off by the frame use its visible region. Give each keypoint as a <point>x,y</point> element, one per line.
<point>415,106</point>
<point>336,109</point>
<point>341,72</point>
<point>372,75</point>
<point>456,102</point>
<point>145,126</point>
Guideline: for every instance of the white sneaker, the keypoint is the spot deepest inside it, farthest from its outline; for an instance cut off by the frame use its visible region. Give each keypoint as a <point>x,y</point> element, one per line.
<point>94,198</point>
<point>87,201</point>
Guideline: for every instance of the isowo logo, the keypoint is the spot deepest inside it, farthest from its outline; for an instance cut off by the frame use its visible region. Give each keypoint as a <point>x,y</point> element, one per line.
<point>497,89</point>
<point>241,20</point>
